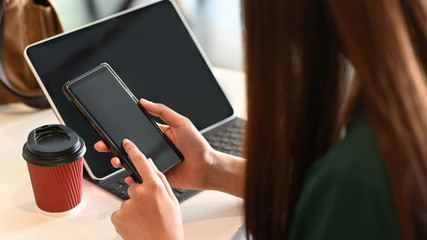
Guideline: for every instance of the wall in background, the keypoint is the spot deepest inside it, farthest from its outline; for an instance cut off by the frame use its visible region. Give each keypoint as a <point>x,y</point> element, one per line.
<point>215,23</point>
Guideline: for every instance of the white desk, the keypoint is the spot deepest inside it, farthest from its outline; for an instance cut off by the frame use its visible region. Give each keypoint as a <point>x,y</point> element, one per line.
<point>208,215</point>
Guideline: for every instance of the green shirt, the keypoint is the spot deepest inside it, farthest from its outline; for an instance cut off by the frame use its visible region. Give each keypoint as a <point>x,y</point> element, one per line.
<point>346,193</point>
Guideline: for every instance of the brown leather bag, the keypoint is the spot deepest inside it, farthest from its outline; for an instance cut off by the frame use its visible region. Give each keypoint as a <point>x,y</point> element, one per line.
<point>23,22</point>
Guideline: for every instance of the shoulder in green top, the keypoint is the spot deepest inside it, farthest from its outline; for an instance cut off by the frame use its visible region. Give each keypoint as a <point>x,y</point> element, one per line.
<point>346,194</point>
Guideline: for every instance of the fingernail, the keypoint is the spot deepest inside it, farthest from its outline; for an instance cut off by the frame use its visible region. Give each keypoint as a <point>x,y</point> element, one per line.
<point>125,141</point>
<point>145,100</point>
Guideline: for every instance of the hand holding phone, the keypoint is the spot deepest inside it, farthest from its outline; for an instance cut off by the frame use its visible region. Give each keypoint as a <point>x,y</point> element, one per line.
<point>116,114</point>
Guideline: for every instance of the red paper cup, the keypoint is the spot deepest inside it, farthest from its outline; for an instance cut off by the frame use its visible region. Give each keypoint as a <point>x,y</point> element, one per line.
<point>54,155</point>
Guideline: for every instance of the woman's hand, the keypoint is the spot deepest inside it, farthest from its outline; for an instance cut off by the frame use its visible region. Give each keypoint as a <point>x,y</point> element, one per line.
<point>152,212</point>
<point>199,157</point>
<point>203,167</point>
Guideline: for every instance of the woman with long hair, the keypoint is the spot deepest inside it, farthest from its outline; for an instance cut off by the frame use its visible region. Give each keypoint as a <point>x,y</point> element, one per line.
<point>336,134</point>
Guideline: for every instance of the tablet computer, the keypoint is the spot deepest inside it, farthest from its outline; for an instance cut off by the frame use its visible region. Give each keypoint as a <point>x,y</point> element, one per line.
<point>153,50</point>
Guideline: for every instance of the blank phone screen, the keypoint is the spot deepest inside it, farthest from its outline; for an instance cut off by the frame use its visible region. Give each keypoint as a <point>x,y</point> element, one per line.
<point>116,112</point>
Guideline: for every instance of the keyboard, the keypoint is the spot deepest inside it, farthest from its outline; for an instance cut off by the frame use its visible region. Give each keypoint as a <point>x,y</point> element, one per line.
<point>117,186</point>
<point>227,138</point>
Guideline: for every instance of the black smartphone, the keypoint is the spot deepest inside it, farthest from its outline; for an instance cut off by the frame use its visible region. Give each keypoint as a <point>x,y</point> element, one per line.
<point>115,113</point>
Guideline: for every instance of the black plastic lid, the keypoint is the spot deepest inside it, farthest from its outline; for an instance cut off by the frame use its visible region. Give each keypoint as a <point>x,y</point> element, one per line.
<point>53,145</point>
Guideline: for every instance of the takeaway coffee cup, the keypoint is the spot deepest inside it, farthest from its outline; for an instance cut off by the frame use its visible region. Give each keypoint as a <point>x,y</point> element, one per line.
<point>54,155</point>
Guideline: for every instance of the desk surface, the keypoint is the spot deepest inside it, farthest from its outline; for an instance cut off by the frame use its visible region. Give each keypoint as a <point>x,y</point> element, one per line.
<point>208,215</point>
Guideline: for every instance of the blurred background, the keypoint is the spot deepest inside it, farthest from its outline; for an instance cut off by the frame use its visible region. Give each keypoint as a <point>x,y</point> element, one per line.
<point>215,23</point>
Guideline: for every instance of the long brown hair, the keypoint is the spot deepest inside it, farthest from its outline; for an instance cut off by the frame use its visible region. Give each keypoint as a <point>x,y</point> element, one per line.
<point>300,55</point>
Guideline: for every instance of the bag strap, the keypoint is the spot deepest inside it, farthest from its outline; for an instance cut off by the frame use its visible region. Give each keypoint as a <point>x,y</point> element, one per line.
<point>37,100</point>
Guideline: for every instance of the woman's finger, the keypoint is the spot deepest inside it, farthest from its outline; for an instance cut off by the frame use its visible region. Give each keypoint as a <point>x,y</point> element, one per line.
<point>163,126</point>
<point>139,160</point>
<point>170,117</point>
<point>167,130</point>
<point>115,161</point>
<point>100,146</point>
<point>162,178</point>
<point>129,180</point>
